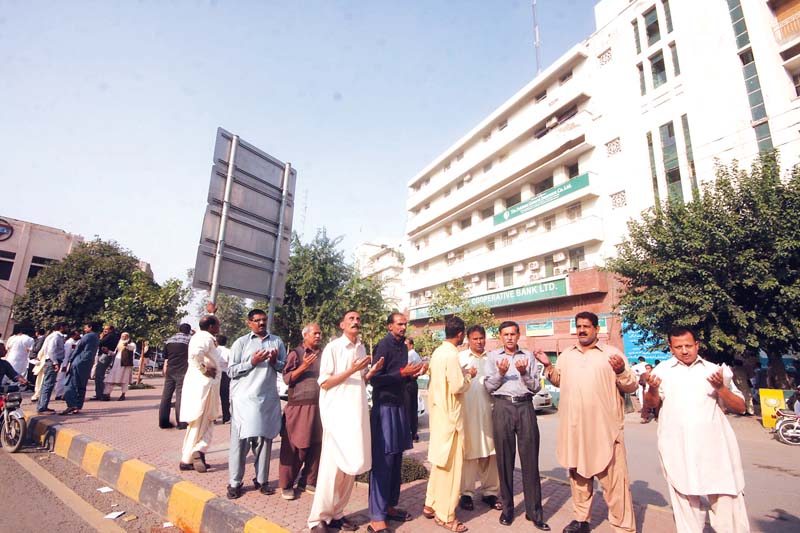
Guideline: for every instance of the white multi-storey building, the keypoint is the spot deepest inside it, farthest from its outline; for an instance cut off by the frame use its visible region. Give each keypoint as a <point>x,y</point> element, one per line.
<point>385,262</point>
<point>532,200</point>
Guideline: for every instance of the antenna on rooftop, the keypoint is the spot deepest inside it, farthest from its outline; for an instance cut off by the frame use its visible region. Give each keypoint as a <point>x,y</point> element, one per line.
<point>537,43</point>
<point>305,212</point>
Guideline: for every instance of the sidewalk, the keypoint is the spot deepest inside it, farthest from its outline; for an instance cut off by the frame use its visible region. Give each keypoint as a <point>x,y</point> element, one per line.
<point>131,428</point>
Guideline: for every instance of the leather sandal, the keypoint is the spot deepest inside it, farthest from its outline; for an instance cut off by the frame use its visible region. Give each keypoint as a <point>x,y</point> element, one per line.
<point>428,512</point>
<point>398,515</point>
<point>453,525</point>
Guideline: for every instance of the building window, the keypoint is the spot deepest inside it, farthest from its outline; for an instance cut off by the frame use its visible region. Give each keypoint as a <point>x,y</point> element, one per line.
<point>659,69</point>
<point>653,173</point>
<point>739,25</point>
<point>565,78</point>
<point>37,264</point>
<point>541,96</point>
<point>567,114</point>
<point>676,66</point>
<point>460,156</point>
<point>447,193</point>
<point>544,185</point>
<point>487,167</point>
<point>642,83</point>
<point>576,257</point>
<point>514,199</point>
<point>796,82</point>
<point>753,85</point>
<point>446,166</point>
<point>459,183</point>
<point>667,15</point>
<point>487,213</point>
<point>490,283</point>
<point>573,171</point>
<point>687,138</point>
<point>508,277</point>
<point>574,211</point>
<point>508,238</point>
<point>502,125</point>
<point>426,206</point>
<point>763,137</point>
<point>6,264</point>
<point>636,39</point>
<point>549,223</point>
<point>490,245</point>
<point>548,266</point>
<point>651,27</point>
<point>466,222</point>
<point>487,136</point>
<point>670,152</point>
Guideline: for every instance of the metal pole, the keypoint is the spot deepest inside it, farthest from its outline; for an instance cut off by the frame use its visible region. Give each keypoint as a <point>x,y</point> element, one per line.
<point>287,170</point>
<point>223,223</point>
<point>536,42</point>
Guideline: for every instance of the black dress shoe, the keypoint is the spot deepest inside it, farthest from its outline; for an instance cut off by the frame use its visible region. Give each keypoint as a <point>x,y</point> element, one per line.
<point>182,426</point>
<point>342,523</point>
<point>466,503</point>
<point>167,426</point>
<point>538,522</point>
<point>577,527</point>
<point>234,492</point>
<point>507,516</point>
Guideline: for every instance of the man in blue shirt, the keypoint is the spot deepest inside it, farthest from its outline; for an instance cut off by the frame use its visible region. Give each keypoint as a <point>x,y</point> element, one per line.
<point>80,367</point>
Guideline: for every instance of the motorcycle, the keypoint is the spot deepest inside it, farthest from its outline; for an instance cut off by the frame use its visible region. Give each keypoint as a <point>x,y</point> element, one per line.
<point>787,427</point>
<point>13,427</point>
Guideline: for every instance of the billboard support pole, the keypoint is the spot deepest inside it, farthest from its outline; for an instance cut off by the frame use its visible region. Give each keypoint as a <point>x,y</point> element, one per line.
<point>226,202</point>
<point>287,171</point>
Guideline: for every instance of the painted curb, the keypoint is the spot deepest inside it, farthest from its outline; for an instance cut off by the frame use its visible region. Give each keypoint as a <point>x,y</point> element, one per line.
<point>190,507</point>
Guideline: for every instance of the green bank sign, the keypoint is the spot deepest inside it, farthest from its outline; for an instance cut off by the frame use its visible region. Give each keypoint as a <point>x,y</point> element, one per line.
<point>529,293</point>
<point>550,195</point>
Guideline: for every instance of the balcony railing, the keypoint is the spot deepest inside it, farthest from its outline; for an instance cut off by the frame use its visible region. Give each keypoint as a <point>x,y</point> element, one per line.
<point>787,29</point>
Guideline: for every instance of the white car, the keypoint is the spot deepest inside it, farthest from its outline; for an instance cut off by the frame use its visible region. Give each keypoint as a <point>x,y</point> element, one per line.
<point>283,388</point>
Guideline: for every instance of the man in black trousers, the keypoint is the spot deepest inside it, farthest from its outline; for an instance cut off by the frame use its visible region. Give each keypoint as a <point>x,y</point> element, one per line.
<point>513,383</point>
<point>176,361</point>
<point>105,356</point>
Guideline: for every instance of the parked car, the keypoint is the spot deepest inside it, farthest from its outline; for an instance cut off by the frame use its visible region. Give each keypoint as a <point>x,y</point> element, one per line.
<point>283,388</point>
<point>154,361</point>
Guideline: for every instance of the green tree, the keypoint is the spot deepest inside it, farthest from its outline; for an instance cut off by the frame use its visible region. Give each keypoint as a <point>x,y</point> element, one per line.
<point>725,264</point>
<point>148,311</point>
<point>231,312</point>
<point>75,289</point>
<point>364,295</point>
<point>320,286</point>
<point>449,300</point>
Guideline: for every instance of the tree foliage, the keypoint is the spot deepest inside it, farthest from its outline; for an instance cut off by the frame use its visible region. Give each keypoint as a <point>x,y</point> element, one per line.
<point>148,311</point>
<point>232,314</point>
<point>320,286</point>
<point>449,300</point>
<point>75,289</point>
<point>726,264</point>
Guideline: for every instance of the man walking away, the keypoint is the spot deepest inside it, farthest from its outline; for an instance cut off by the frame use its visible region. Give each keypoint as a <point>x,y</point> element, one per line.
<point>176,361</point>
<point>105,356</point>
<point>224,354</point>
<point>79,368</point>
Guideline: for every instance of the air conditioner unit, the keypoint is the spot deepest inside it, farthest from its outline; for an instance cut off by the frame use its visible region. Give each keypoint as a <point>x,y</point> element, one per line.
<point>559,257</point>
<point>476,279</point>
<point>451,255</point>
<point>552,123</point>
<point>491,285</point>
<point>583,265</point>
<point>428,294</point>
<point>535,276</point>
<point>531,224</point>
<point>519,267</point>
<point>560,270</point>
<point>533,265</point>
<point>512,232</point>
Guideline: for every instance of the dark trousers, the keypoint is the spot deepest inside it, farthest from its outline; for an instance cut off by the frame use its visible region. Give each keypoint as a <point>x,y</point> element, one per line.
<point>77,379</point>
<point>412,404</point>
<point>30,376</point>
<point>384,484</point>
<point>100,378</point>
<point>225,396</point>
<point>516,422</point>
<point>292,459</point>
<point>48,383</point>
<point>173,384</point>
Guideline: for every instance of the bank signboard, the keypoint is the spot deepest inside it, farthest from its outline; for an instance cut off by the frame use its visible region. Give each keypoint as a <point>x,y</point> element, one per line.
<point>529,293</point>
<point>551,195</point>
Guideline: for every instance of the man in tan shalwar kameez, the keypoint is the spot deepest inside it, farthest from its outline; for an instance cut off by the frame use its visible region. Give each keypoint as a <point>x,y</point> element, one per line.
<point>590,438</point>
<point>449,381</point>
<point>480,460</point>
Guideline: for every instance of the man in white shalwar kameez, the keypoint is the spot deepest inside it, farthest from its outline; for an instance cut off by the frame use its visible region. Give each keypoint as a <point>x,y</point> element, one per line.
<point>200,395</point>
<point>697,446</point>
<point>345,423</point>
<point>255,360</point>
<point>480,460</point>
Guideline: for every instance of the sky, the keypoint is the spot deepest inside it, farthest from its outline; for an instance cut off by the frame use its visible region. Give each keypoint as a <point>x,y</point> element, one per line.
<point>110,109</point>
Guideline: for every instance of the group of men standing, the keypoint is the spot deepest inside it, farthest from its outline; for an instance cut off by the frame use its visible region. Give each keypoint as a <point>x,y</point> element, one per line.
<point>481,417</point>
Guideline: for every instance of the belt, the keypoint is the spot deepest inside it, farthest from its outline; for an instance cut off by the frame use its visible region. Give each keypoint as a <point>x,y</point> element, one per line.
<point>516,399</point>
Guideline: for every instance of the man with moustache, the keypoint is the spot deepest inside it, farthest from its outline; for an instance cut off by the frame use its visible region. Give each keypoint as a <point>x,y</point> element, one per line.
<point>590,441</point>
<point>513,382</point>
<point>389,424</point>
<point>479,453</point>
<point>345,421</point>
<point>255,360</point>
<point>301,435</point>
<point>696,444</point>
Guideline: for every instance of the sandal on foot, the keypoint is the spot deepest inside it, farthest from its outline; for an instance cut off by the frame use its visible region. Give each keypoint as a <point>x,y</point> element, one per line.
<point>428,512</point>
<point>398,515</point>
<point>493,502</point>
<point>454,525</point>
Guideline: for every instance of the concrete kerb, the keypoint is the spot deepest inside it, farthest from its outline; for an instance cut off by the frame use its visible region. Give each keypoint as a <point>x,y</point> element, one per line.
<point>188,506</point>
